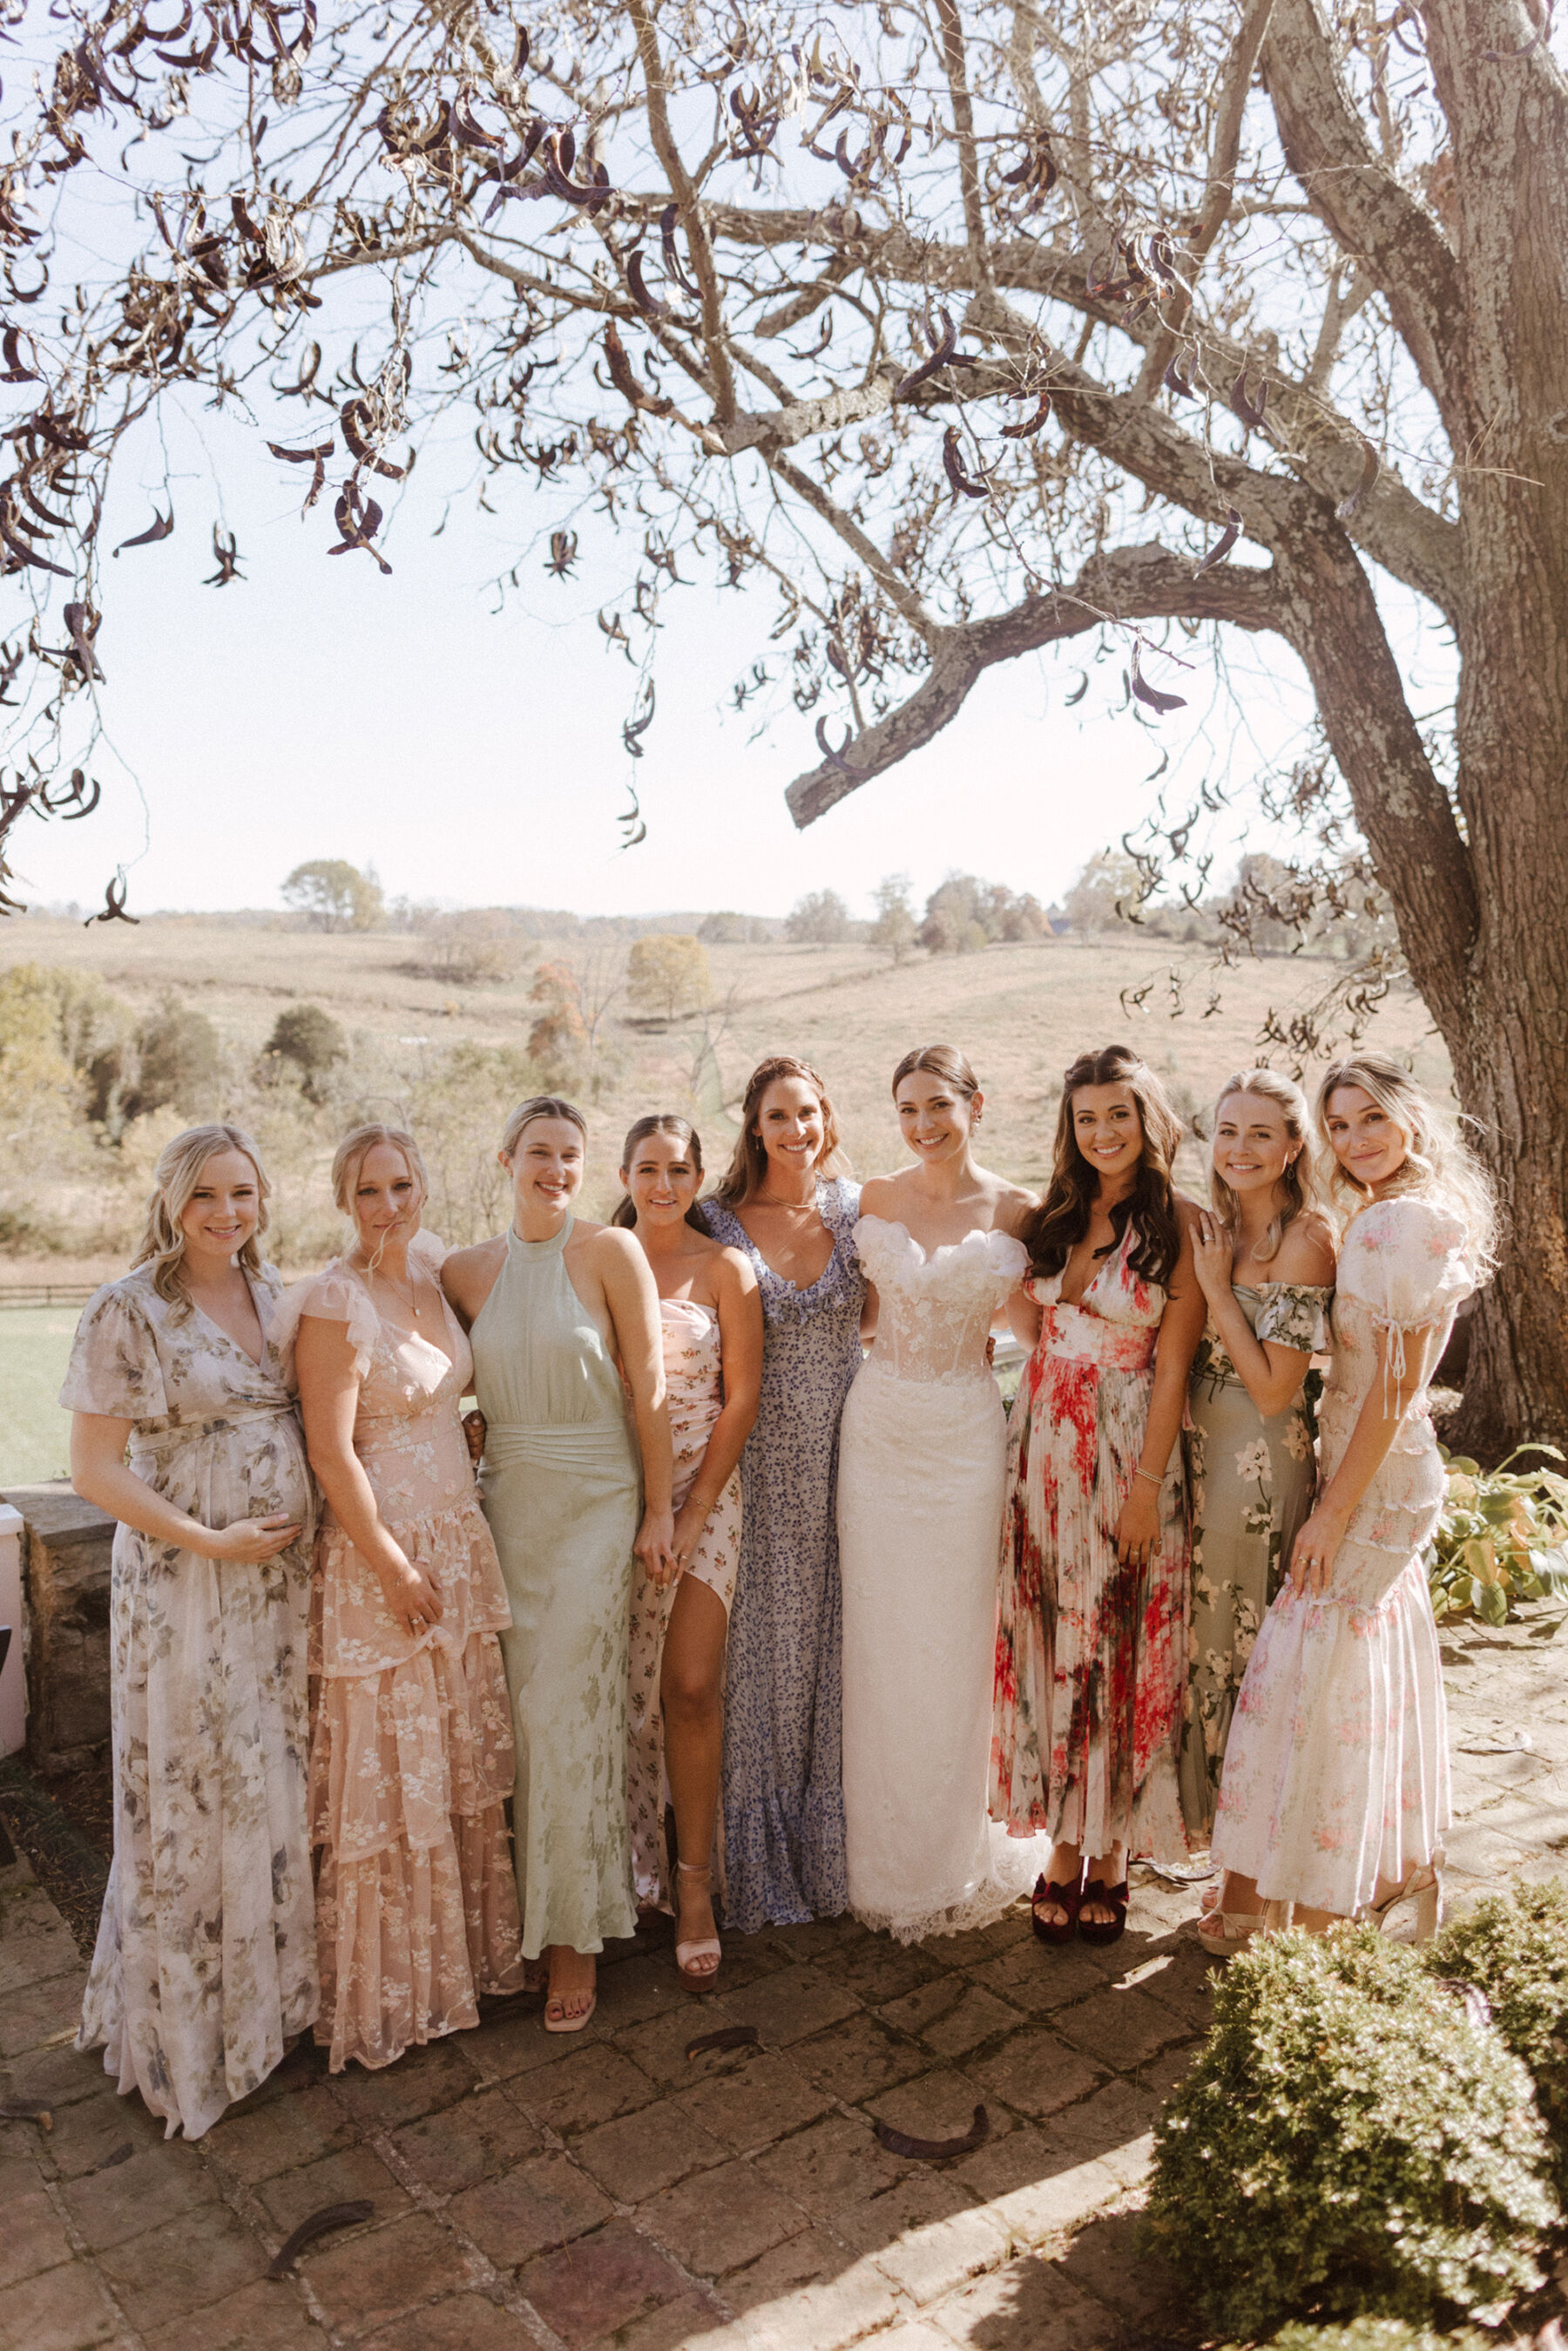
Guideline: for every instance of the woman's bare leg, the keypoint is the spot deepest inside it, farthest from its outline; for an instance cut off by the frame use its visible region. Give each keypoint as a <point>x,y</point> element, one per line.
<point>691,1695</point>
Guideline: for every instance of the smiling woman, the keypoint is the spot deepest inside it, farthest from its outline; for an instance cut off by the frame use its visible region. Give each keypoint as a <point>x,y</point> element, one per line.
<point>559,1311</point>
<point>783,1205</point>
<point>411,1755</point>
<point>205,1963</point>
<point>1091,1653</point>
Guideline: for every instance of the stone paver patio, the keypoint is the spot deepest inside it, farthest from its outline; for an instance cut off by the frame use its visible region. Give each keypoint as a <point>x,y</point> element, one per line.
<point>609,2191</point>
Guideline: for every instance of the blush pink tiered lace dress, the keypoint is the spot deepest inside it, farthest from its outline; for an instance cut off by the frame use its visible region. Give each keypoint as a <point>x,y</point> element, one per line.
<point>412,1750</point>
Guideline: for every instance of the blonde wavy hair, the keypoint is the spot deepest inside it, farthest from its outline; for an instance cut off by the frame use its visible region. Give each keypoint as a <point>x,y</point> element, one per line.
<point>1440,1163</point>
<point>1299,1182</point>
<point>349,1158</point>
<point>175,1178</point>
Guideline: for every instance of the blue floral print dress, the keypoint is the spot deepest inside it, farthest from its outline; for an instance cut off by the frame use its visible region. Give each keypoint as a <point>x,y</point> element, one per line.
<point>784,1704</point>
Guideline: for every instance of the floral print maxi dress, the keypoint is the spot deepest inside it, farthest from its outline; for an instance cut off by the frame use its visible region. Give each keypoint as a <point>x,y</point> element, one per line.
<point>1337,1769</point>
<point>410,1752</point>
<point>205,1964</point>
<point>784,1698</point>
<point>693,1380</point>
<point>1091,1656</point>
<point>1251,1489</point>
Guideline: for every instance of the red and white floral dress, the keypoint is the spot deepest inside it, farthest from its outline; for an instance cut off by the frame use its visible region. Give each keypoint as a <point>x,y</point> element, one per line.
<point>1091,1656</point>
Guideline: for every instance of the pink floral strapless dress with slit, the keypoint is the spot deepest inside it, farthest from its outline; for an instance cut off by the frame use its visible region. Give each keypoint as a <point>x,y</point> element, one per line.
<point>411,1756</point>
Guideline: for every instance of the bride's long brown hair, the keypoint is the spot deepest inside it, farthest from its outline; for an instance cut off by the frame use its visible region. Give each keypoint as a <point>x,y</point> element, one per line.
<point>1053,1230</point>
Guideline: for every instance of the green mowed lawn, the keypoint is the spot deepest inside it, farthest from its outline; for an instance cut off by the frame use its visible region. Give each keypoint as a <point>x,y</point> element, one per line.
<point>35,1434</point>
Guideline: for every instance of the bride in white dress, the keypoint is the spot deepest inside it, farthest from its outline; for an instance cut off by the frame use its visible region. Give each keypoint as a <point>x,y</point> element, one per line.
<point>922,1483</point>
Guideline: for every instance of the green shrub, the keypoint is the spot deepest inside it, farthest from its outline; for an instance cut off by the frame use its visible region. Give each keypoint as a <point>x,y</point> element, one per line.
<point>1349,2142</point>
<point>1514,1948</point>
<point>1502,1537</point>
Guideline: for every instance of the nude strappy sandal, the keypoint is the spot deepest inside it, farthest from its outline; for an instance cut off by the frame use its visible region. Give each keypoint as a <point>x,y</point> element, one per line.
<point>698,1980</point>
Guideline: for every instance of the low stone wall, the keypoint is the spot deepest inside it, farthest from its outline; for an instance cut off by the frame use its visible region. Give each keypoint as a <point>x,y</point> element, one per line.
<point>64,1579</point>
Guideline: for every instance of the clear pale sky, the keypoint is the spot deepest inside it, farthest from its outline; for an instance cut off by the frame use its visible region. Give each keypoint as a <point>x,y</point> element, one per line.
<point>317,709</point>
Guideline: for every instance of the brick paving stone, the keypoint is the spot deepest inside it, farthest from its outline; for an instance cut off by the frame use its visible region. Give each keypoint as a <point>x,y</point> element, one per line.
<point>32,2238</point>
<point>790,2004</point>
<point>56,2077</point>
<point>813,2257</point>
<point>1035,2072</point>
<point>755,2101</point>
<point>356,2173</point>
<point>670,2326</point>
<point>643,1986</point>
<point>856,2059</point>
<point>62,2309</point>
<point>721,2219</point>
<point>931,2261</point>
<point>594,2084</point>
<point>266,2317</point>
<point>1016,2158</point>
<point>91,2128</point>
<point>1037,1979</point>
<point>1051,2208</point>
<point>279,2136</point>
<point>462,2322</point>
<point>421,2082</point>
<point>815,1939</point>
<point>657,2044</point>
<point>600,2284</point>
<point>1109,2260</point>
<point>170,2271</point>
<point>1182,1980</point>
<point>157,2184</point>
<point>842,2177</point>
<point>635,2158</point>
<point>1104,2127</point>
<point>955,2026</point>
<point>938,2105</point>
<point>543,2202</point>
<point>883,1970</point>
<point>823,2317</point>
<point>21,2161</point>
<point>36,1941</point>
<point>1121,2028</point>
<point>512,2040</point>
<point>749,1957</point>
<point>1027,2306</point>
<point>487,2133</point>
<point>364,2281</point>
<point>915,2335</point>
<point>37,2011</point>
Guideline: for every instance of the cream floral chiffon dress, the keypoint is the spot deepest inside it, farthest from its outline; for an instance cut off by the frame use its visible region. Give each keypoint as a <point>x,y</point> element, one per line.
<point>1336,1773</point>
<point>205,1963</point>
<point>411,1754</point>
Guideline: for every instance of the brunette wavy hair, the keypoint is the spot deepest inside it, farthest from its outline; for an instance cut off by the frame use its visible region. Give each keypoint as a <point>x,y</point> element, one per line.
<point>1053,1230</point>
<point>944,1061</point>
<point>750,1163</point>
<point>660,1121</point>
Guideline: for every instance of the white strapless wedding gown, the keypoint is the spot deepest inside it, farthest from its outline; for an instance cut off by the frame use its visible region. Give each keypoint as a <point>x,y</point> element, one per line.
<point>922,1483</point>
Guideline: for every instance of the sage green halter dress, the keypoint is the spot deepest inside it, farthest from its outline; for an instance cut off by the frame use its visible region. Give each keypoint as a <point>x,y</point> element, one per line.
<point>562,1491</point>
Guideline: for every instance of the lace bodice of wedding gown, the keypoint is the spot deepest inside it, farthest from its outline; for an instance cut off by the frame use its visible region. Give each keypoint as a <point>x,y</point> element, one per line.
<point>934,1313</point>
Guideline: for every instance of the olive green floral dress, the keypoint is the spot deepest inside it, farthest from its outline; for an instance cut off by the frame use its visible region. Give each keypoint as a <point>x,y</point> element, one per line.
<point>1252,1483</point>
